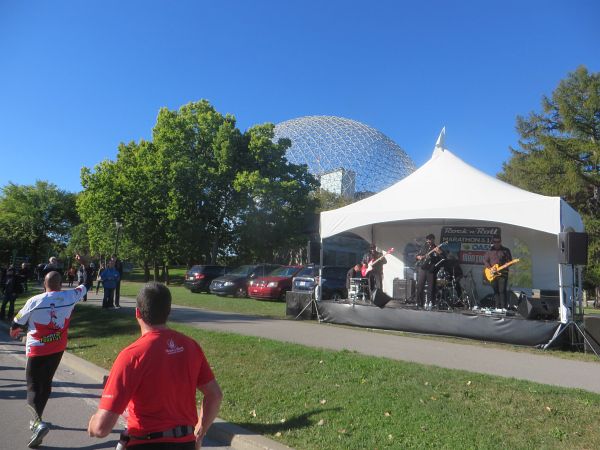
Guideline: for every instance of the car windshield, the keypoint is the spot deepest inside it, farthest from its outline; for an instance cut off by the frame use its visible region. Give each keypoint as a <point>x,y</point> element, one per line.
<point>308,272</point>
<point>242,270</point>
<point>284,272</point>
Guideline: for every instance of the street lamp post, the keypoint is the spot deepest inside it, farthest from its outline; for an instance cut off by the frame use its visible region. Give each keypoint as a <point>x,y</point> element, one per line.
<point>118,226</point>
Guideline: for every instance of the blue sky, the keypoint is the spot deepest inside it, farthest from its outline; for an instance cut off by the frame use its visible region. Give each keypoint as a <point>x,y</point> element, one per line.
<point>78,77</point>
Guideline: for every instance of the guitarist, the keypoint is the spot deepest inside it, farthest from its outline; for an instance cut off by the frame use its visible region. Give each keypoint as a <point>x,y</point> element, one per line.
<point>427,261</point>
<point>498,254</point>
<point>375,276</point>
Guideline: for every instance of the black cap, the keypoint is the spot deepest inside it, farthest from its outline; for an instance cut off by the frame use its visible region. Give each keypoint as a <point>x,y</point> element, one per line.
<point>430,236</point>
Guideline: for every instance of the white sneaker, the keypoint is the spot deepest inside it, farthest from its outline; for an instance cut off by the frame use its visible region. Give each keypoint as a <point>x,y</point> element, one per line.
<point>40,430</point>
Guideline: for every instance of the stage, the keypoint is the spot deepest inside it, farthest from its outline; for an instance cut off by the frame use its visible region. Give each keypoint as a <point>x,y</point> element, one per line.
<point>482,325</point>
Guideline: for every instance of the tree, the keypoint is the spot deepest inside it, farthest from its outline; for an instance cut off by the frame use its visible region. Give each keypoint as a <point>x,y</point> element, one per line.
<point>35,219</point>
<point>197,190</point>
<point>559,153</point>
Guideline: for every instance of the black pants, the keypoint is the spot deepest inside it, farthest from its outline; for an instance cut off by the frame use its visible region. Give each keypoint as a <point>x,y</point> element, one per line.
<point>118,293</point>
<point>500,285</point>
<point>166,446</point>
<point>422,277</point>
<point>10,299</point>
<point>39,373</point>
<point>107,299</point>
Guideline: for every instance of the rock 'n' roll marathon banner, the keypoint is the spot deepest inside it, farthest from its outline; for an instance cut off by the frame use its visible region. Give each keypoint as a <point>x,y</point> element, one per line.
<point>469,244</point>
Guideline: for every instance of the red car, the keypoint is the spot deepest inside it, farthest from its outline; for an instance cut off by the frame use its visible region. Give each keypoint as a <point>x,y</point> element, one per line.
<point>275,285</point>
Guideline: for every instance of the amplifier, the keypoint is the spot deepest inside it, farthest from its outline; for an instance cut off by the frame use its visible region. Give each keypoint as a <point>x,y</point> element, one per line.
<point>591,326</point>
<point>299,302</point>
<point>403,290</point>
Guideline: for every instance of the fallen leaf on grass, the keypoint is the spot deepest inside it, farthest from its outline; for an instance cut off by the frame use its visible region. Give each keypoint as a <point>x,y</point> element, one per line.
<point>321,422</point>
<point>278,434</point>
<point>321,362</point>
<point>387,414</point>
<point>433,398</point>
<point>468,383</point>
<point>390,437</point>
<point>548,409</point>
<point>282,420</point>
<point>253,413</point>
<point>322,401</point>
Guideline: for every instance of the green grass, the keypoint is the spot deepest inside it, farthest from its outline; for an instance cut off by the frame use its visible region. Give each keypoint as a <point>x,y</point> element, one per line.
<point>315,399</point>
<point>183,297</point>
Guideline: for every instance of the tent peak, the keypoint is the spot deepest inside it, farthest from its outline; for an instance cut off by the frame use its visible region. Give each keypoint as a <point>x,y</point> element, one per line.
<point>441,138</point>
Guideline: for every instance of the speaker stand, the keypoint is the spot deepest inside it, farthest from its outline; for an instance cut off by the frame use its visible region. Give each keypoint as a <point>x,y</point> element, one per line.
<point>573,327</point>
<point>313,302</point>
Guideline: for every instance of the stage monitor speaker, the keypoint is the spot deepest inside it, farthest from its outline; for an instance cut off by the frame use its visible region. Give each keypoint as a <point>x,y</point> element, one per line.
<point>403,289</point>
<point>572,248</point>
<point>380,298</point>
<point>295,302</point>
<point>538,308</point>
<point>591,326</point>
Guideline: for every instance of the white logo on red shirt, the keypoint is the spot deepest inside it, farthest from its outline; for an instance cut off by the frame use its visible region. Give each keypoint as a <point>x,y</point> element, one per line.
<point>172,348</point>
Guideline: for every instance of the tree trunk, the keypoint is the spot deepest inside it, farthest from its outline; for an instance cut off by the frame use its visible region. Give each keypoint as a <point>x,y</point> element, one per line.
<point>156,272</point>
<point>146,271</point>
<point>166,274</point>
<point>213,251</point>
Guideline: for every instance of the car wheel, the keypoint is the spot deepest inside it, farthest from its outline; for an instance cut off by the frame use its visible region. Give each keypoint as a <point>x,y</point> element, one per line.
<point>241,292</point>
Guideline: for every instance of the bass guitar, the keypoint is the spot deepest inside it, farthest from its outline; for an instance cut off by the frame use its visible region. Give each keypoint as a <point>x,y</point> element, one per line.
<point>425,261</point>
<point>366,268</point>
<point>491,273</point>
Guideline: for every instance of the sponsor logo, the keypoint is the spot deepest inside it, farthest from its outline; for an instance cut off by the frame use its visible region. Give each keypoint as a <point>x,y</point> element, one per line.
<point>172,348</point>
<point>51,338</point>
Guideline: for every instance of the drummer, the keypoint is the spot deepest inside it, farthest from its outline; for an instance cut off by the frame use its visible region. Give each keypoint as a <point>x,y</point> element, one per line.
<point>453,272</point>
<point>354,272</point>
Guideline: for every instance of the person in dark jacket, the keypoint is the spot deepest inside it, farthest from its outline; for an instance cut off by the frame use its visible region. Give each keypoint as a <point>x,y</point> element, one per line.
<point>84,275</point>
<point>11,287</point>
<point>497,256</point>
<point>119,268</point>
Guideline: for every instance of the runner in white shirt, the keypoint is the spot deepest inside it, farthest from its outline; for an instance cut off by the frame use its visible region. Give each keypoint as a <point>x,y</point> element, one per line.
<point>47,317</point>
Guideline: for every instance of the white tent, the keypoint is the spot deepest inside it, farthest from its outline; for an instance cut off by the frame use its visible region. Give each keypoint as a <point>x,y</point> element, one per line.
<point>446,191</point>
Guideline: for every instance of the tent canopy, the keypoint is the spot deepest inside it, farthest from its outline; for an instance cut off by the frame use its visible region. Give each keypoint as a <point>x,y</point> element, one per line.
<point>447,188</point>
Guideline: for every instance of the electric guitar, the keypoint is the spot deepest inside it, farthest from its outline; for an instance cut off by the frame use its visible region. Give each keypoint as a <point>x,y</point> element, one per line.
<point>491,273</point>
<point>366,268</point>
<point>425,261</point>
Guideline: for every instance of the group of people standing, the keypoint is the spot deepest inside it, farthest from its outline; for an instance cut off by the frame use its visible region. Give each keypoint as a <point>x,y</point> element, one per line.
<point>109,276</point>
<point>432,258</point>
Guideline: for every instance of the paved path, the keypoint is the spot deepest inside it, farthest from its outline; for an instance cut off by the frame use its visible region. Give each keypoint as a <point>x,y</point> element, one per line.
<point>541,368</point>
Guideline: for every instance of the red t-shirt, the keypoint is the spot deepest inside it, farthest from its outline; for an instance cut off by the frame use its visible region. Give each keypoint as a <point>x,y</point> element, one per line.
<point>156,379</point>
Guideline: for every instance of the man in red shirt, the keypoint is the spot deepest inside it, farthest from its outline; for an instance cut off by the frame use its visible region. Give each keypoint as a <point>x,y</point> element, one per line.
<point>156,379</point>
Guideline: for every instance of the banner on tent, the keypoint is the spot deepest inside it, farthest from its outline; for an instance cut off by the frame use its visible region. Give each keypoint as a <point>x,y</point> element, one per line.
<point>469,244</point>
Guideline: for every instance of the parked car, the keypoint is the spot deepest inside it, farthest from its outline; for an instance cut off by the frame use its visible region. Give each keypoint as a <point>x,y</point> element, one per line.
<point>275,285</point>
<point>236,282</point>
<point>333,283</point>
<point>198,278</point>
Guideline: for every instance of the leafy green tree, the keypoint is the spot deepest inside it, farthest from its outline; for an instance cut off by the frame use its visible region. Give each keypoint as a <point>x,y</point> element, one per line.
<point>197,191</point>
<point>559,153</point>
<point>35,219</point>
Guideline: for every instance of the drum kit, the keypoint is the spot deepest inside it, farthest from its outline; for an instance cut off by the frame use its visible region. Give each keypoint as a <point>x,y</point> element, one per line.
<point>359,290</point>
<point>449,293</point>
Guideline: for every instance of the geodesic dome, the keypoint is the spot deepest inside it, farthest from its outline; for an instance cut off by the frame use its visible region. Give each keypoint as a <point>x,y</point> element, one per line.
<point>328,144</point>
